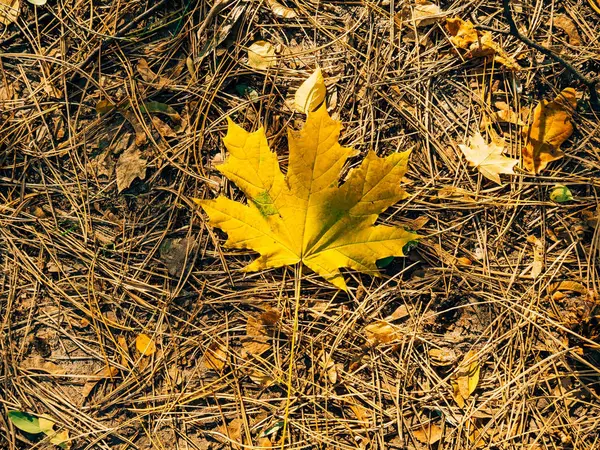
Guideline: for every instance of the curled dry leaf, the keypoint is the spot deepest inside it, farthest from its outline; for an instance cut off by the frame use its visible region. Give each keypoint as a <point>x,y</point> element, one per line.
<point>551,126</point>
<point>261,55</point>
<point>428,434</point>
<point>215,357</point>
<point>145,344</point>
<point>466,378</point>
<point>163,129</point>
<point>380,332</point>
<point>442,356</point>
<point>262,379</point>
<point>488,158</point>
<point>130,166</point>
<point>328,366</point>
<point>538,255</point>
<point>281,11</point>
<point>9,11</point>
<point>463,35</point>
<point>568,26</point>
<point>425,13</point>
<point>311,93</point>
<point>569,286</point>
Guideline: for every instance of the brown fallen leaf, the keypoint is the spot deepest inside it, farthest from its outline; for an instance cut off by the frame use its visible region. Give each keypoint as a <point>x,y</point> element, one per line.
<point>466,378</point>
<point>38,363</point>
<point>259,330</point>
<point>360,412</point>
<point>442,356</point>
<point>177,254</point>
<point>425,13</point>
<point>149,76</point>
<point>551,126</point>
<point>568,26</point>
<point>9,11</point>
<point>106,372</point>
<point>163,129</point>
<point>215,357</point>
<point>130,166</point>
<point>232,433</point>
<point>145,344</point>
<point>264,442</point>
<point>428,434</point>
<point>478,44</point>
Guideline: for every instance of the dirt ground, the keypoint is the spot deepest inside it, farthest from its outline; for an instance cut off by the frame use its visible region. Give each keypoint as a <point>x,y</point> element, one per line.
<point>112,114</point>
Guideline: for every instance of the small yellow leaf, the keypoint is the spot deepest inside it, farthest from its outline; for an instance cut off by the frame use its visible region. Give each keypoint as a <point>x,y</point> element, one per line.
<point>145,345</point>
<point>261,55</point>
<point>261,378</point>
<point>488,158</point>
<point>233,433</point>
<point>428,434</point>
<point>311,93</point>
<point>307,216</point>
<point>9,11</point>
<point>380,332</point>
<point>61,439</point>
<point>551,127</point>
<point>281,11</point>
<point>466,379</point>
<point>215,357</point>
<point>46,424</point>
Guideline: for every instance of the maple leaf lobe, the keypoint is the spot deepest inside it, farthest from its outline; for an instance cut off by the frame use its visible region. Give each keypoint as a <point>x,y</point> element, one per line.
<point>307,216</point>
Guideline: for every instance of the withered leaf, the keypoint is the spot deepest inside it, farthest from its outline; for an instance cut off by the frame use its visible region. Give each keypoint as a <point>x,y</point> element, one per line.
<point>551,126</point>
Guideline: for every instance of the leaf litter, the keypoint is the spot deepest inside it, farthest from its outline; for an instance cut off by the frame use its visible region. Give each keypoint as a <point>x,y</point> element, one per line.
<point>391,92</point>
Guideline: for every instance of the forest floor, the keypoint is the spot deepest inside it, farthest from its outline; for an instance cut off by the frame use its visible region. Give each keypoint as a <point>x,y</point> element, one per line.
<point>112,117</point>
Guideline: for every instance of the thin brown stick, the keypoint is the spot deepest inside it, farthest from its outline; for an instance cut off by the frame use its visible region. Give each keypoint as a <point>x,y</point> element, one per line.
<point>590,84</point>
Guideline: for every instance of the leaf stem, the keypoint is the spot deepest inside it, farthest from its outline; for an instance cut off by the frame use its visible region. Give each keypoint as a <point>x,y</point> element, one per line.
<point>297,291</point>
<point>590,84</point>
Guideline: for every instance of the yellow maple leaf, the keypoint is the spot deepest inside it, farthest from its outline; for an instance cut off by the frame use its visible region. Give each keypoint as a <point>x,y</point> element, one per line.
<point>307,216</point>
<point>488,158</point>
<point>551,126</point>
<point>478,44</point>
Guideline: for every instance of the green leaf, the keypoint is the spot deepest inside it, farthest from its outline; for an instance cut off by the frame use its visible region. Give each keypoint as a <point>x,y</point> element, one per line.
<point>104,107</point>
<point>158,107</point>
<point>384,262</point>
<point>25,422</point>
<point>272,429</point>
<point>561,194</point>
